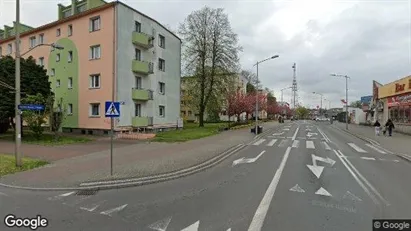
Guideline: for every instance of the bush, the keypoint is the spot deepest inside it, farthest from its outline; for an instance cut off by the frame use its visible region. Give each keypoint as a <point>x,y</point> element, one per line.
<point>4,125</point>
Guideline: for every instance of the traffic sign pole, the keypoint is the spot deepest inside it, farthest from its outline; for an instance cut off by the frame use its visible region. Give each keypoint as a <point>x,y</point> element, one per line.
<point>112,110</point>
<point>111,145</point>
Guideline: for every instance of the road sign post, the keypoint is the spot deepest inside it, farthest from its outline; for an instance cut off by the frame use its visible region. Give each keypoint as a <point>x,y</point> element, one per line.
<point>112,110</point>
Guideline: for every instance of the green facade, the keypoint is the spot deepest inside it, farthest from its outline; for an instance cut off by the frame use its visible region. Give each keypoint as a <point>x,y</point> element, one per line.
<point>63,71</point>
<point>76,5</point>
<point>11,31</point>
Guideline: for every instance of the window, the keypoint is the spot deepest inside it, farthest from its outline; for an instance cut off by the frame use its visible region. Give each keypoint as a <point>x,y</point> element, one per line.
<point>57,83</point>
<point>95,81</point>
<point>162,41</point>
<point>70,82</point>
<point>94,109</point>
<point>52,72</point>
<point>137,27</point>
<point>162,111</point>
<point>137,54</point>
<point>162,87</point>
<point>161,64</point>
<point>95,52</point>
<point>81,8</point>
<point>41,39</point>
<point>67,13</point>
<point>139,83</point>
<point>58,58</point>
<point>41,61</point>
<point>32,41</point>
<point>137,110</point>
<point>9,49</point>
<point>95,24</point>
<point>70,56</point>
<point>70,30</point>
<point>58,32</point>
<point>69,109</point>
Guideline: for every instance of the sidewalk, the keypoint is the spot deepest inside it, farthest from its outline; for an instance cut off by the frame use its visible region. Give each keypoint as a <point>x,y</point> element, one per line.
<point>397,143</point>
<point>138,160</point>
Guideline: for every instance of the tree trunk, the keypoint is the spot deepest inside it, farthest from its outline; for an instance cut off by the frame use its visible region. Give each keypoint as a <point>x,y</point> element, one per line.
<point>201,116</point>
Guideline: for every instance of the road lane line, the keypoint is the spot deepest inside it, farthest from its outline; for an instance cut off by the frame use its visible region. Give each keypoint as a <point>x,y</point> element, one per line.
<point>342,159</point>
<point>356,148</point>
<point>324,135</point>
<point>295,133</point>
<point>296,143</point>
<point>110,211</point>
<point>272,142</point>
<point>367,158</point>
<point>260,214</point>
<point>326,146</point>
<point>3,194</point>
<point>309,144</point>
<point>376,149</point>
<point>366,181</point>
<point>259,142</point>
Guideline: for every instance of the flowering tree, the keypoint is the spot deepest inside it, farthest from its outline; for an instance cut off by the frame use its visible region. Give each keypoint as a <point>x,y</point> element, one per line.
<point>272,109</point>
<point>236,104</point>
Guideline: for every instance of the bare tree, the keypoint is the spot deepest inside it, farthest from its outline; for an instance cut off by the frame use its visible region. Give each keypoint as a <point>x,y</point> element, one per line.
<point>210,53</point>
<point>250,76</point>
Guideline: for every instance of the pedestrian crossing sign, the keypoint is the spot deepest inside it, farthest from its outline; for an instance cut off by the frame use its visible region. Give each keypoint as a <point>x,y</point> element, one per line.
<point>112,109</point>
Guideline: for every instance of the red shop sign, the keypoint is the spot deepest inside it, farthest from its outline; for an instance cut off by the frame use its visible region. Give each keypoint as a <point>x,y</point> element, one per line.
<point>400,100</point>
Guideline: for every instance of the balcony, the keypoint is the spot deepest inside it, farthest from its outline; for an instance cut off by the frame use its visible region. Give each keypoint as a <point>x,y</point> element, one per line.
<point>142,67</point>
<point>142,40</point>
<point>141,94</point>
<point>142,121</point>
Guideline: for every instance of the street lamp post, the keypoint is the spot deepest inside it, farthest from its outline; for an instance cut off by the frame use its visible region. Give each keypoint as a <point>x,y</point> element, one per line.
<point>282,92</point>
<point>346,97</point>
<point>256,95</point>
<point>321,103</point>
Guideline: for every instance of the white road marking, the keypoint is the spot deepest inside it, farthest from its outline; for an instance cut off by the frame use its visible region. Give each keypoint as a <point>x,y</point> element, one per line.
<point>376,149</point>
<point>324,135</point>
<point>295,133</point>
<point>327,160</point>
<point>283,143</point>
<point>272,142</point>
<point>277,134</point>
<point>323,192</point>
<point>93,207</point>
<point>161,225</point>
<point>334,206</point>
<point>114,210</point>
<point>297,188</point>
<point>260,214</point>
<point>286,129</point>
<point>396,161</point>
<point>296,143</point>
<point>367,158</point>
<point>192,227</point>
<point>356,148</point>
<point>326,146</point>
<point>3,194</point>
<point>247,160</point>
<point>309,144</point>
<point>350,195</point>
<point>61,196</point>
<point>259,142</point>
<point>316,170</point>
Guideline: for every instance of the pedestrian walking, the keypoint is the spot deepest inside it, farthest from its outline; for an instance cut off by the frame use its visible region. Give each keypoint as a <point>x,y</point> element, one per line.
<point>377,126</point>
<point>389,125</point>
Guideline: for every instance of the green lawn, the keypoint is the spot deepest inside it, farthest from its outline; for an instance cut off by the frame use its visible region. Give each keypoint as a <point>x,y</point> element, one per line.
<point>191,131</point>
<point>46,139</point>
<point>8,164</point>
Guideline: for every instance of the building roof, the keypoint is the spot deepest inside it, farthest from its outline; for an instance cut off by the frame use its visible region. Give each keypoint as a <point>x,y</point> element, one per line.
<point>81,14</point>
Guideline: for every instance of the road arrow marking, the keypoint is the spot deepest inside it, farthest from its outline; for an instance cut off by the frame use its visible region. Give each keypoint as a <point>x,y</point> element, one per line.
<point>297,188</point>
<point>259,142</point>
<point>161,225</point>
<point>110,211</point>
<point>93,206</point>
<point>323,192</point>
<point>307,129</point>
<point>356,148</point>
<point>192,227</point>
<point>316,170</point>
<point>353,197</point>
<point>326,146</point>
<point>278,134</point>
<point>61,196</point>
<point>327,160</point>
<point>309,134</point>
<point>247,160</point>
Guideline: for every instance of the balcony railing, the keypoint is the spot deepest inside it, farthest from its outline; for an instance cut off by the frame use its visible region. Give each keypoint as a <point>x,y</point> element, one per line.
<point>143,40</point>
<point>142,94</point>
<point>142,67</point>
<point>142,121</point>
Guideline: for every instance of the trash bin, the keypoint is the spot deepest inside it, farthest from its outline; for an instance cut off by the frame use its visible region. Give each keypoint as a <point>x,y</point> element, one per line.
<point>260,129</point>
<point>253,130</point>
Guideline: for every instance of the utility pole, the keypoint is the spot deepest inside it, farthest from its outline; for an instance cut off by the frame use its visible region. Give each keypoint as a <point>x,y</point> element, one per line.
<point>346,97</point>
<point>294,86</point>
<point>17,103</point>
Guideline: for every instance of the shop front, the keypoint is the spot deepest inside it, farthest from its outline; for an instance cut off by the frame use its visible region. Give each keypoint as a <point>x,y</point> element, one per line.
<point>400,108</point>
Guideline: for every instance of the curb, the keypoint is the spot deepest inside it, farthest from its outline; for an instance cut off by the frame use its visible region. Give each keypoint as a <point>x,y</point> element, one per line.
<point>116,184</point>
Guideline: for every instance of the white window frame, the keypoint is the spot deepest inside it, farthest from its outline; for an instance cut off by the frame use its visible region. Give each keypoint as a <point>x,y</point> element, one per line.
<point>137,108</point>
<point>93,82</point>
<point>70,30</point>
<point>95,52</point>
<point>58,83</point>
<point>92,26</point>
<point>58,57</point>
<point>70,56</point>
<point>163,109</point>
<point>41,38</point>
<point>9,49</point>
<point>91,110</point>
<point>41,61</point>
<point>70,83</point>
<point>161,41</point>
<point>32,41</point>
<point>58,32</point>
<point>70,109</point>
<point>162,88</point>
<point>52,72</point>
<point>163,66</point>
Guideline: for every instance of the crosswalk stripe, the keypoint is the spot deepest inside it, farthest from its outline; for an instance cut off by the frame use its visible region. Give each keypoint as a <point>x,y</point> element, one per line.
<point>367,158</point>
<point>309,144</point>
<point>259,142</point>
<point>356,148</point>
<point>272,142</point>
<point>296,143</point>
<point>283,143</point>
<point>376,149</point>
<point>326,146</point>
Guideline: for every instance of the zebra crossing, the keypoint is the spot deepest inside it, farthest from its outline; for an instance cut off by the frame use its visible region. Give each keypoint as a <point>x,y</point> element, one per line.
<point>313,144</point>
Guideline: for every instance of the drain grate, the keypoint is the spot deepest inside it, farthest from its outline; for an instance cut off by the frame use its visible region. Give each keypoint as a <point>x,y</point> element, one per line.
<point>86,192</point>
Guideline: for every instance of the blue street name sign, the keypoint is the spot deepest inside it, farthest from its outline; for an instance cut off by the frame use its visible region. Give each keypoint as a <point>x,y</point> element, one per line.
<point>31,107</point>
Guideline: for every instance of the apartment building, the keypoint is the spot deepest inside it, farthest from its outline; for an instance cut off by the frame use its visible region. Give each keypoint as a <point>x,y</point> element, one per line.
<point>109,50</point>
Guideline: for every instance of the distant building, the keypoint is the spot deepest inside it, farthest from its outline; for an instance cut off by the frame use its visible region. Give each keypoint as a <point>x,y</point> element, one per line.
<point>109,49</point>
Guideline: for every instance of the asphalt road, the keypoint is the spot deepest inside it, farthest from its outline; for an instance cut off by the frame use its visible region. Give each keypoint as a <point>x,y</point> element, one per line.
<point>304,176</point>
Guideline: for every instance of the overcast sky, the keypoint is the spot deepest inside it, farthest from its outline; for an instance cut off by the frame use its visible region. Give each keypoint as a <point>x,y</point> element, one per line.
<point>367,40</point>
